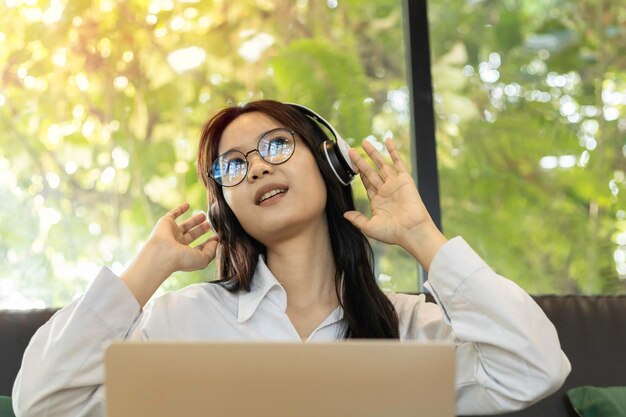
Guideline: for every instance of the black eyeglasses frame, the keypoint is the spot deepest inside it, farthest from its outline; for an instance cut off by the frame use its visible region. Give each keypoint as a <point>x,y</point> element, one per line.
<point>245,155</point>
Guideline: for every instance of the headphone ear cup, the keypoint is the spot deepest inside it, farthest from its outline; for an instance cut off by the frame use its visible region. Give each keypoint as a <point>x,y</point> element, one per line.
<point>338,160</point>
<point>213,216</point>
<point>343,152</point>
<point>335,153</point>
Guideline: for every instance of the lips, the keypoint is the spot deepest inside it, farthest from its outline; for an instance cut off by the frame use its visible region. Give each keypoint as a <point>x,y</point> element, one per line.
<point>268,191</point>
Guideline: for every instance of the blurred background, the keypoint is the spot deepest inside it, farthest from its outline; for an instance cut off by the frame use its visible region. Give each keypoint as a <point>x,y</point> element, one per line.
<point>101,104</point>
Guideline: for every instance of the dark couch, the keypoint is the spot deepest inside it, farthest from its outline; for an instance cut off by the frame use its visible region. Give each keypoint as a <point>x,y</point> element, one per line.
<point>592,332</point>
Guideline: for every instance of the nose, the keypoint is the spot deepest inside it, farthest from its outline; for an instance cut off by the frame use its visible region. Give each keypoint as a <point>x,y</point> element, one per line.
<point>258,167</point>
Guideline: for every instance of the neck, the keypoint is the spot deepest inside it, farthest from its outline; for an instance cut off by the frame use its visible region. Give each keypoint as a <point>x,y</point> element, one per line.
<point>305,267</point>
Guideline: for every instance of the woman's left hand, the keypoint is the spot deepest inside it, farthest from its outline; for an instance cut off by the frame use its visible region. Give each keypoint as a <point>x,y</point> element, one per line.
<point>398,213</point>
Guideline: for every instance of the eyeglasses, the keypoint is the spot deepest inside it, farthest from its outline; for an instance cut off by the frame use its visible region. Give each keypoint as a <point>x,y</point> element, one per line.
<point>275,147</point>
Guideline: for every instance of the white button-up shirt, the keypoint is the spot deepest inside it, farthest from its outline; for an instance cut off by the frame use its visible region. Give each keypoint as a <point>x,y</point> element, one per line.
<point>508,352</point>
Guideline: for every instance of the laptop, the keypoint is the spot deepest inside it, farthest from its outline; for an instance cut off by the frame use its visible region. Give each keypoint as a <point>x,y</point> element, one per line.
<point>280,379</point>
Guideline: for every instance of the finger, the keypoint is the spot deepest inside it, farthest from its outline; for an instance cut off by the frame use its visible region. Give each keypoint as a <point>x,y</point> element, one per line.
<point>200,256</point>
<point>384,169</point>
<point>357,219</point>
<point>398,163</point>
<point>178,211</point>
<point>196,232</point>
<point>209,246</point>
<point>369,188</point>
<point>366,170</point>
<point>192,222</point>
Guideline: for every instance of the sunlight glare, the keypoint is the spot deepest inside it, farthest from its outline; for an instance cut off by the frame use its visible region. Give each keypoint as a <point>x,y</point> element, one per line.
<point>54,13</point>
<point>186,59</point>
<point>252,49</point>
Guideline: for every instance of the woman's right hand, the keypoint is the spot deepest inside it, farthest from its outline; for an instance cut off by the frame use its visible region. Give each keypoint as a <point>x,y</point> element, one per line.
<point>167,251</point>
<point>172,241</point>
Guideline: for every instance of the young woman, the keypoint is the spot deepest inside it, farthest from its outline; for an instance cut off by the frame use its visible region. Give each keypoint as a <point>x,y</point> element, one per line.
<point>294,263</point>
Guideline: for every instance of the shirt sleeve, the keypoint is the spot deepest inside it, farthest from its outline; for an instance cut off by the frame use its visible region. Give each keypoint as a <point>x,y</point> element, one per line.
<point>62,372</point>
<point>507,351</point>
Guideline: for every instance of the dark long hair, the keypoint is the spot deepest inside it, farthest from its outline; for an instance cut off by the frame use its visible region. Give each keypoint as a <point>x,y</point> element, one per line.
<point>367,311</point>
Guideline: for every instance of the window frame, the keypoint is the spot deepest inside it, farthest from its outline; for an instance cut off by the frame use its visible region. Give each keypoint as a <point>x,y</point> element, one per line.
<point>424,150</point>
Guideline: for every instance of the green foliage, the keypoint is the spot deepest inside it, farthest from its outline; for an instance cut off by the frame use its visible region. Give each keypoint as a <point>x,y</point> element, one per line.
<point>560,94</point>
<point>318,74</point>
<point>100,120</point>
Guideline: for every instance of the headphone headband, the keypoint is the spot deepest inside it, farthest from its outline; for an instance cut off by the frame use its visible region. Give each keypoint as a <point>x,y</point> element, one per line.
<point>315,116</point>
<point>336,154</point>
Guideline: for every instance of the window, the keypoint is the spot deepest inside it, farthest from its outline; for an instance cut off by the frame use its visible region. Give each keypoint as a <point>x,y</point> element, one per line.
<point>530,102</point>
<point>101,105</point>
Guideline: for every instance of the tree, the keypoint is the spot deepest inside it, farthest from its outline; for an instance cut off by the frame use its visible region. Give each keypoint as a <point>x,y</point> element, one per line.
<point>102,103</point>
<point>530,102</point>
<point>101,106</point>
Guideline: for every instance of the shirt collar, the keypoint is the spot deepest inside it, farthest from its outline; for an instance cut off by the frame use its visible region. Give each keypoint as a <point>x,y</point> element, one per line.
<point>262,282</point>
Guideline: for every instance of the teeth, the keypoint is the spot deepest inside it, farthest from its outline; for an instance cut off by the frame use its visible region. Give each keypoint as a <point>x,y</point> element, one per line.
<point>270,194</point>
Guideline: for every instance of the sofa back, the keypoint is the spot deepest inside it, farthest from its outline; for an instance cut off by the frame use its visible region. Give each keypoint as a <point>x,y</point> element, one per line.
<point>16,329</point>
<point>592,330</point>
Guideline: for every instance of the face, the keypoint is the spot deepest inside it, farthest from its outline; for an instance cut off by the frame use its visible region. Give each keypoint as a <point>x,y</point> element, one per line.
<point>273,202</point>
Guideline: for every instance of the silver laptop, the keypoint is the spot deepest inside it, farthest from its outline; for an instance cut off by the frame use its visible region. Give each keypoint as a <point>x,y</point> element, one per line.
<point>340,379</point>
